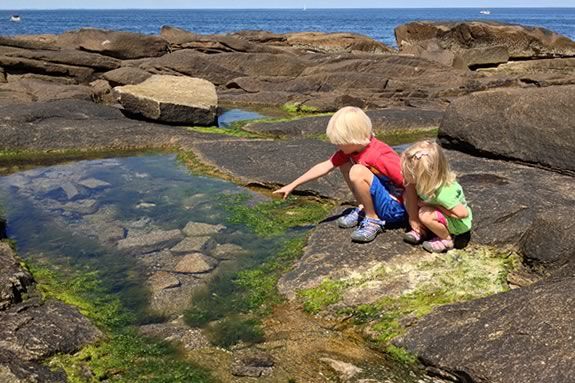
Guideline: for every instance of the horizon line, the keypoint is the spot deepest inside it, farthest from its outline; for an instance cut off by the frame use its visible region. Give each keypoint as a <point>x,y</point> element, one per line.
<point>263,9</point>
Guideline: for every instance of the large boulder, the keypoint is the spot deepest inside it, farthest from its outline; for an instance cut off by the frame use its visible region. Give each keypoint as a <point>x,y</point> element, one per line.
<point>524,336</point>
<point>473,44</point>
<point>121,45</point>
<point>171,99</point>
<point>530,125</point>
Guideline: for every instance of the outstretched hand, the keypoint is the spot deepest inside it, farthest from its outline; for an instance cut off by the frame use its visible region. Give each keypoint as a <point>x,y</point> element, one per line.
<point>286,190</point>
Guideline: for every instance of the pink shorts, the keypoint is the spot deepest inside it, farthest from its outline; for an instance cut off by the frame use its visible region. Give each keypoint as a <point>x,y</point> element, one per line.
<point>440,217</point>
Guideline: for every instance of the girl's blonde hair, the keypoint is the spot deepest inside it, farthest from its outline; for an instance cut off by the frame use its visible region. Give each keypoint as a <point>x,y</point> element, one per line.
<point>424,165</point>
<point>349,125</point>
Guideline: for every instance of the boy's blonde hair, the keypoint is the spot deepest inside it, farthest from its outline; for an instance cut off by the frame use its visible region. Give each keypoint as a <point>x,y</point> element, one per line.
<point>424,165</point>
<point>349,125</point>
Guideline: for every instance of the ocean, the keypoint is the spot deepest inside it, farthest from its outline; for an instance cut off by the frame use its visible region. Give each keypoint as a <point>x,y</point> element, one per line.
<point>376,23</point>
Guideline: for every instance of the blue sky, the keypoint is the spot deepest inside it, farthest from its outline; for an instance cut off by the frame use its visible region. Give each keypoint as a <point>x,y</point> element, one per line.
<point>115,4</point>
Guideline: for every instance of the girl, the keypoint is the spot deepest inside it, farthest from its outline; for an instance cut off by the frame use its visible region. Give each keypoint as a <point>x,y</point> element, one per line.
<point>434,200</point>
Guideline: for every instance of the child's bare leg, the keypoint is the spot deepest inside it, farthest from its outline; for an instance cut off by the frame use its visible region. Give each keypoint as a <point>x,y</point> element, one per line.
<point>345,169</point>
<point>428,217</point>
<point>360,183</point>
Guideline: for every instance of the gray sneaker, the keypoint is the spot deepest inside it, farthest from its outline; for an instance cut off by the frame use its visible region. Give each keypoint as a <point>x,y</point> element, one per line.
<point>368,229</point>
<point>351,219</point>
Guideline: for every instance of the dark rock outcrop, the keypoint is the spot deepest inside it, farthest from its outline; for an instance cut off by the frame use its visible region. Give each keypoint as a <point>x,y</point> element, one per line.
<point>524,336</point>
<point>121,45</point>
<point>14,280</point>
<point>190,63</point>
<point>472,44</point>
<point>182,39</point>
<point>126,76</point>
<point>530,125</point>
<point>83,125</point>
<point>42,89</point>
<point>33,330</point>
<point>317,42</point>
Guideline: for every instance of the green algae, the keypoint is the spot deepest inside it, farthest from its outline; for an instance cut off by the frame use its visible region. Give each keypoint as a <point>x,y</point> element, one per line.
<point>318,298</point>
<point>298,108</point>
<point>273,218</point>
<point>457,276</point>
<point>235,129</point>
<point>233,306</point>
<point>124,355</point>
<point>198,167</point>
<point>401,355</point>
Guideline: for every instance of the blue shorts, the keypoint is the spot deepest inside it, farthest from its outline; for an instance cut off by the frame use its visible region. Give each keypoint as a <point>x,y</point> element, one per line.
<point>387,208</point>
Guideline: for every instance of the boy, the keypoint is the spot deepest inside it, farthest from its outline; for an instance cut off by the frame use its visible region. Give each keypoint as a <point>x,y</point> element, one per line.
<point>370,168</point>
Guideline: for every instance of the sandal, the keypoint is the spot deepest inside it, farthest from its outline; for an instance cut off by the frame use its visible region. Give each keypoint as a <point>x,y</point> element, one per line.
<point>413,237</point>
<point>368,229</point>
<point>351,219</point>
<point>437,245</point>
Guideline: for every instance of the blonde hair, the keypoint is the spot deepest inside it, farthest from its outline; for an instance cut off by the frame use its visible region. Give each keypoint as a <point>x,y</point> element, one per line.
<point>424,165</point>
<point>349,125</point>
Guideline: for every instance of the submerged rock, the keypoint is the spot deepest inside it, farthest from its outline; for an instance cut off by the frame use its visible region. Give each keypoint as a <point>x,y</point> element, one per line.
<point>227,251</point>
<point>199,229</point>
<point>191,244</point>
<point>195,264</point>
<point>171,99</point>
<point>177,332</point>
<point>150,242</point>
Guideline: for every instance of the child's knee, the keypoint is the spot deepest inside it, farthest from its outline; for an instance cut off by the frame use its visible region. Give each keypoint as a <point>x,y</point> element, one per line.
<point>359,173</point>
<point>426,214</point>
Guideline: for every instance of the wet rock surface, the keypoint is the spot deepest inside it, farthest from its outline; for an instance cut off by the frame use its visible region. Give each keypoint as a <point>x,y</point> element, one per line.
<point>257,162</point>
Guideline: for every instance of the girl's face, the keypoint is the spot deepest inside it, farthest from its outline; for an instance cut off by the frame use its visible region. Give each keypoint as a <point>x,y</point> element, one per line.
<point>351,148</point>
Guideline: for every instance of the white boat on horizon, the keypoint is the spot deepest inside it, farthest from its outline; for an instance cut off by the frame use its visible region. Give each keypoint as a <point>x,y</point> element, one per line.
<point>15,18</point>
<point>485,12</point>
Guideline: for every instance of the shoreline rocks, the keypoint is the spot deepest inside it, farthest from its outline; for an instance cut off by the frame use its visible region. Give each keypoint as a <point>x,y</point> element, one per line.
<point>474,44</point>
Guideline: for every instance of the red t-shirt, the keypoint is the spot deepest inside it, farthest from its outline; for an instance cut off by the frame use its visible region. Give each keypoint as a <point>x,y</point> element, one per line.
<point>381,160</point>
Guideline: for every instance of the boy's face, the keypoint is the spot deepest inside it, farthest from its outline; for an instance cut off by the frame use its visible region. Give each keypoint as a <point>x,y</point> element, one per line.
<point>351,148</point>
